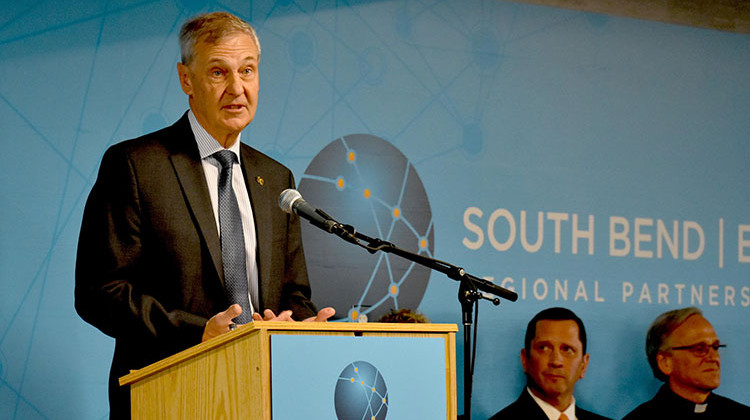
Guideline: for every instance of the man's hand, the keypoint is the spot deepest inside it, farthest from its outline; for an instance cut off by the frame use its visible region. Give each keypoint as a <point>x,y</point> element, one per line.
<point>219,323</point>
<point>268,315</point>
<point>322,315</point>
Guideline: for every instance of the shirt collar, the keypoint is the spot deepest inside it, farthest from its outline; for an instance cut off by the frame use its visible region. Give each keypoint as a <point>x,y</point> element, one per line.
<point>207,145</point>
<point>682,404</point>
<point>551,412</point>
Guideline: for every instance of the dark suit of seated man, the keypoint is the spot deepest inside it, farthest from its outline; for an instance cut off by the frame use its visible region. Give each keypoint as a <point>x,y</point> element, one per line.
<point>554,358</point>
<point>683,351</point>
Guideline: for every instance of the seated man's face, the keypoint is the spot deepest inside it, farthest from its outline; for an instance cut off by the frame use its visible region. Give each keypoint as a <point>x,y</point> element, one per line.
<point>687,368</point>
<point>555,361</point>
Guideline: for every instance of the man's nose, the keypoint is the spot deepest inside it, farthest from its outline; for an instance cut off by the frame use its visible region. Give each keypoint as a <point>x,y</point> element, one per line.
<point>234,84</point>
<point>713,355</point>
<point>555,357</point>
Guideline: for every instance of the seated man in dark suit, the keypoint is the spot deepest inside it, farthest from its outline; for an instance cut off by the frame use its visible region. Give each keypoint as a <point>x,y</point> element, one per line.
<point>554,358</point>
<point>683,351</point>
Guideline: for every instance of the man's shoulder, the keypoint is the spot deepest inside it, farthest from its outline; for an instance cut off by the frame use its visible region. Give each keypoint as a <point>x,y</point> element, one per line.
<point>163,139</point>
<point>646,410</point>
<point>520,408</point>
<point>512,411</point>
<point>146,143</point>
<point>730,406</point>
<point>722,406</point>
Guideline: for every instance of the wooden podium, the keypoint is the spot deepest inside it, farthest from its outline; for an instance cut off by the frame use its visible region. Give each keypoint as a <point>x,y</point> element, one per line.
<point>230,376</point>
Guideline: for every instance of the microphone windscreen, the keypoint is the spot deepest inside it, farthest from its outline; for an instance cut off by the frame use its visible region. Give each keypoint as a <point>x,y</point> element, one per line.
<point>287,199</point>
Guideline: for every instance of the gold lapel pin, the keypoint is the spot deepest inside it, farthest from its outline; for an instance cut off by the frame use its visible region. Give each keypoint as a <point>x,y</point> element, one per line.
<point>260,180</point>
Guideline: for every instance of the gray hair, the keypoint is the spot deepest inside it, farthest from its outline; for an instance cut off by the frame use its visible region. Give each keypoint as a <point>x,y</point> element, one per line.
<point>210,28</point>
<point>659,332</point>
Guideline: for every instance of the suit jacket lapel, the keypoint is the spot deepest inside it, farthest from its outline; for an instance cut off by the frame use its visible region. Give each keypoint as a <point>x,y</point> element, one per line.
<point>187,165</point>
<point>535,412</point>
<point>260,200</point>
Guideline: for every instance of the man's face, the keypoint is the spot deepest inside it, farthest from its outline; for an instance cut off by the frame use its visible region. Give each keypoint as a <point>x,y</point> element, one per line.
<point>555,361</point>
<point>222,83</point>
<point>685,369</point>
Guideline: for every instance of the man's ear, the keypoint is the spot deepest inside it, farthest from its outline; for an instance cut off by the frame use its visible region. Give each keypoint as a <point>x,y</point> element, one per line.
<point>523,359</point>
<point>665,363</point>
<point>183,72</point>
<point>584,366</point>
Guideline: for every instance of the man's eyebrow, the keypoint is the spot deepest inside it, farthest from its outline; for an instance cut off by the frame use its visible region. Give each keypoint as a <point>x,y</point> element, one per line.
<point>220,60</point>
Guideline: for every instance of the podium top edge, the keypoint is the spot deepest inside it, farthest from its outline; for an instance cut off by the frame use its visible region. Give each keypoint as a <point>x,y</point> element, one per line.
<point>353,326</point>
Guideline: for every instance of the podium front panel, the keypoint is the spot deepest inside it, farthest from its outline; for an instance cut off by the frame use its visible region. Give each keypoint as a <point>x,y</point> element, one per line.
<point>368,377</point>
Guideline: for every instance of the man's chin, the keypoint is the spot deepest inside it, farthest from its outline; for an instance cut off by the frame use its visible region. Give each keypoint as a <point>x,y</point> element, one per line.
<point>550,390</point>
<point>236,124</point>
<point>712,384</point>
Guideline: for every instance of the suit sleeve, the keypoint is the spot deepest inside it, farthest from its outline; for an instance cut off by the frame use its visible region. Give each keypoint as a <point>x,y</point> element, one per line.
<point>111,268</point>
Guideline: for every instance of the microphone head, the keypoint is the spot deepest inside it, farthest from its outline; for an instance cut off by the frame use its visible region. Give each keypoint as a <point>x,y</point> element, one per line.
<point>287,199</point>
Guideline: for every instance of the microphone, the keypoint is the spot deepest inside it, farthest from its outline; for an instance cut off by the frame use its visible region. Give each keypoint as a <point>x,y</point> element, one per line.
<point>291,202</point>
<point>494,289</point>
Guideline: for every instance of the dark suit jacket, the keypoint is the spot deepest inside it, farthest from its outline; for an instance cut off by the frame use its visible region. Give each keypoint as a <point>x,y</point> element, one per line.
<point>525,408</point>
<point>666,405</point>
<point>149,270</point>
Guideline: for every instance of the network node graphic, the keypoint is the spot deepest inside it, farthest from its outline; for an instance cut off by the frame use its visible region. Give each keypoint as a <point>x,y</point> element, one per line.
<point>365,181</point>
<point>361,393</point>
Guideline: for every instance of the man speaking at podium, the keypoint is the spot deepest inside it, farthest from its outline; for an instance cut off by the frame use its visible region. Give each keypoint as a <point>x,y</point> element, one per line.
<point>182,236</point>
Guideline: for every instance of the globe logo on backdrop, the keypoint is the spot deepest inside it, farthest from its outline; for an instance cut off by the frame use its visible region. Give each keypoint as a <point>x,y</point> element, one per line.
<point>361,393</point>
<point>364,181</point>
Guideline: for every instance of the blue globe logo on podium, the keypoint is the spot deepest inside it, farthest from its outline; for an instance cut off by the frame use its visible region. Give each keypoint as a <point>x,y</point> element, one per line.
<point>364,181</point>
<point>361,393</point>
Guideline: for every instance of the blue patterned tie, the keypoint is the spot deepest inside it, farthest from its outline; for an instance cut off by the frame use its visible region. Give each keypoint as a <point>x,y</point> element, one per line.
<point>232,238</point>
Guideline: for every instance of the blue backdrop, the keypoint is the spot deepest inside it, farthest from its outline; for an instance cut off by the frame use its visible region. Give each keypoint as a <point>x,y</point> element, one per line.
<point>587,161</point>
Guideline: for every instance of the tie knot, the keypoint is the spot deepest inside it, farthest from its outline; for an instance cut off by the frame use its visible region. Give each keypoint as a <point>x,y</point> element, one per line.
<point>563,417</point>
<point>226,158</point>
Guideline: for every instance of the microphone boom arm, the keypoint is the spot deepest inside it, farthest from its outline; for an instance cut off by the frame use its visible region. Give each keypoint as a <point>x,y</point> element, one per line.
<point>374,245</point>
